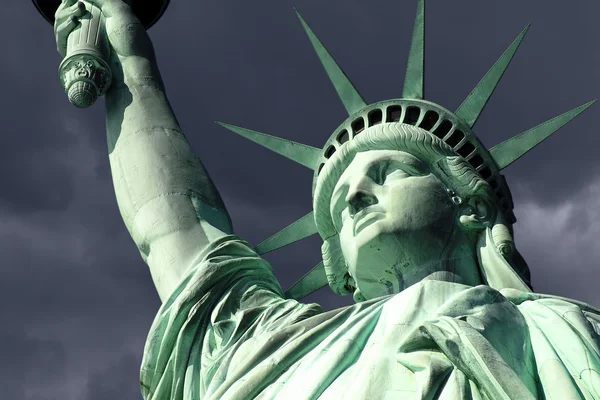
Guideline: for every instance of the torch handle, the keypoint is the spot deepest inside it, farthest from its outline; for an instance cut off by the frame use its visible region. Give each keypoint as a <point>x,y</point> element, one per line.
<point>84,73</point>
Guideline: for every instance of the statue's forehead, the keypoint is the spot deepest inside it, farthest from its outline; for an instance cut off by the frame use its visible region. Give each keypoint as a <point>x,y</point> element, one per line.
<point>363,160</point>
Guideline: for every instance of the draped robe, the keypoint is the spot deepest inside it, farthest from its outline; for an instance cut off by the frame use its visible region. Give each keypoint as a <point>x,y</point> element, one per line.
<point>227,332</point>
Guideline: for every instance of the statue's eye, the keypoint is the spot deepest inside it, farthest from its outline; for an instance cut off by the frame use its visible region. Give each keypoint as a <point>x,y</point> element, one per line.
<point>397,171</point>
<point>381,173</point>
<point>386,169</point>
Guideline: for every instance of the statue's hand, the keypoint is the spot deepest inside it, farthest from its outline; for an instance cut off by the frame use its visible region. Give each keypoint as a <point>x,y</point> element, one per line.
<point>126,34</point>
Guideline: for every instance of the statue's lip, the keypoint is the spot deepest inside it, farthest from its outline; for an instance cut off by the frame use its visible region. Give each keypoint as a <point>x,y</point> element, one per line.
<point>365,217</point>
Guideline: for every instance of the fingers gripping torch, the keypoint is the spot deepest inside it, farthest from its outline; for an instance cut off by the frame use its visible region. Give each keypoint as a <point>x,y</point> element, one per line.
<point>84,73</point>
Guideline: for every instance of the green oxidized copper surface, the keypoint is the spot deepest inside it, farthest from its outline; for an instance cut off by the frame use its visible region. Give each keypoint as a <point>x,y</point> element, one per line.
<point>414,81</point>
<point>416,222</point>
<point>148,11</point>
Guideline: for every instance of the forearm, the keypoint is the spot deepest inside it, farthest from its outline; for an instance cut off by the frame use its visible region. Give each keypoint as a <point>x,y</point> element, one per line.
<point>160,184</point>
<point>136,100</point>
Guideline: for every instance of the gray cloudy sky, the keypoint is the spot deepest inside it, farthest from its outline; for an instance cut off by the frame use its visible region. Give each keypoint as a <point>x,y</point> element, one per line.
<point>77,300</point>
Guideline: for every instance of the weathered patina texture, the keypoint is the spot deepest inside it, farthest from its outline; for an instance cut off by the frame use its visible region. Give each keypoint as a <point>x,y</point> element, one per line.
<point>416,221</point>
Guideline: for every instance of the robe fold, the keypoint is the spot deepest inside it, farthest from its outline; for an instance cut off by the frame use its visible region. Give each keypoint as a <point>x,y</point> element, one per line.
<point>227,332</point>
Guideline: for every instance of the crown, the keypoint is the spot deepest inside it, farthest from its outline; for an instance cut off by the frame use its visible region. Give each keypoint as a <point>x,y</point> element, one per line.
<point>453,128</point>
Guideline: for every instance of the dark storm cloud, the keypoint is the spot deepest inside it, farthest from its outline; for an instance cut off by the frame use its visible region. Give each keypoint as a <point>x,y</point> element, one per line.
<point>80,299</point>
<point>38,370</point>
<point>114,382</point>
<point>33,187</point>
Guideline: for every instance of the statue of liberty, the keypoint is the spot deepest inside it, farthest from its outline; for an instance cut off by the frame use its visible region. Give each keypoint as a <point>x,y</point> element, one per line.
<point>417,225</point>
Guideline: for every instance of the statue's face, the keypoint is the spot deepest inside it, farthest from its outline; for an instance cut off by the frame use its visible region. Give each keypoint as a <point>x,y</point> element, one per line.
<point>396,222</point>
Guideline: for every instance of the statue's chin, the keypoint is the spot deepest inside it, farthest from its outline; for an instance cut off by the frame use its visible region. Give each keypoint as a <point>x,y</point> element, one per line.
<point>389,260</point>
<point>385,268</point>
<point>371,240</point>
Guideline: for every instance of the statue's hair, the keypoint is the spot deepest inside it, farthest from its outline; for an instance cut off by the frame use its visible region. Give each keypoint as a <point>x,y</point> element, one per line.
<point>452,170</point>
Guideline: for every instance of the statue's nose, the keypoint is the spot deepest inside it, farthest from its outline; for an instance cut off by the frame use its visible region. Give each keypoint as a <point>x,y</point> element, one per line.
<point>359,200</point>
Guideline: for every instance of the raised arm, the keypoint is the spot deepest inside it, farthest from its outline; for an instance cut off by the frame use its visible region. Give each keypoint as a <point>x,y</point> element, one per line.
<point>168,202</point>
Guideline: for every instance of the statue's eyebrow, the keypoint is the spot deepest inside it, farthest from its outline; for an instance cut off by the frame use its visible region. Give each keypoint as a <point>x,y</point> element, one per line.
<point>412,168</point>
<point>413,164</point>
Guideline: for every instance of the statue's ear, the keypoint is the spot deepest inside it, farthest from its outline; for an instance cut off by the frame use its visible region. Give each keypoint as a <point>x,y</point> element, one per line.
<point>476,214</point>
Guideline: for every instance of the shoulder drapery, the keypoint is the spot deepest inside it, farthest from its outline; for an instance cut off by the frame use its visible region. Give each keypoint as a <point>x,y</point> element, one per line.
<point>228,333</point>
<point>230,294</point>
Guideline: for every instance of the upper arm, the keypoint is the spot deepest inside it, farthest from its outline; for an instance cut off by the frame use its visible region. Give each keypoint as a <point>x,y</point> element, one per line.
<point>168,202</point>
<point>173,230</point>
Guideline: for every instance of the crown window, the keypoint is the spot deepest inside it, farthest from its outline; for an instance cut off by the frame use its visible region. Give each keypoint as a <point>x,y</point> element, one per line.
<point>375,117</point>
<point>412,115</point>
<point>455,138</point>
<point>485,173</point>
<point>443,129</point>
<point>466,149</point>
<point>358,125</point>
<point>476,161</point>
<point>430,119</point>
<point>394,113</point>
<point>343,137</point>
<point>329,152</point>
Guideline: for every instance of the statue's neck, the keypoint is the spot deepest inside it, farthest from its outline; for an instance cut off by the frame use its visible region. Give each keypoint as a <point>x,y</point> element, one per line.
<point>456,263</point>
<point>465,271</point>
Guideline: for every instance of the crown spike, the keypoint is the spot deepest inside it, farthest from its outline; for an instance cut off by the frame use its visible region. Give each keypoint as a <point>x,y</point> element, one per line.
<point>309,283</point>
<point>415,70</point>
<point>474,104</point>
<point>298,230</point>
<point>301,153</point>
<point>511,150</point>
<point>352,100</point>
